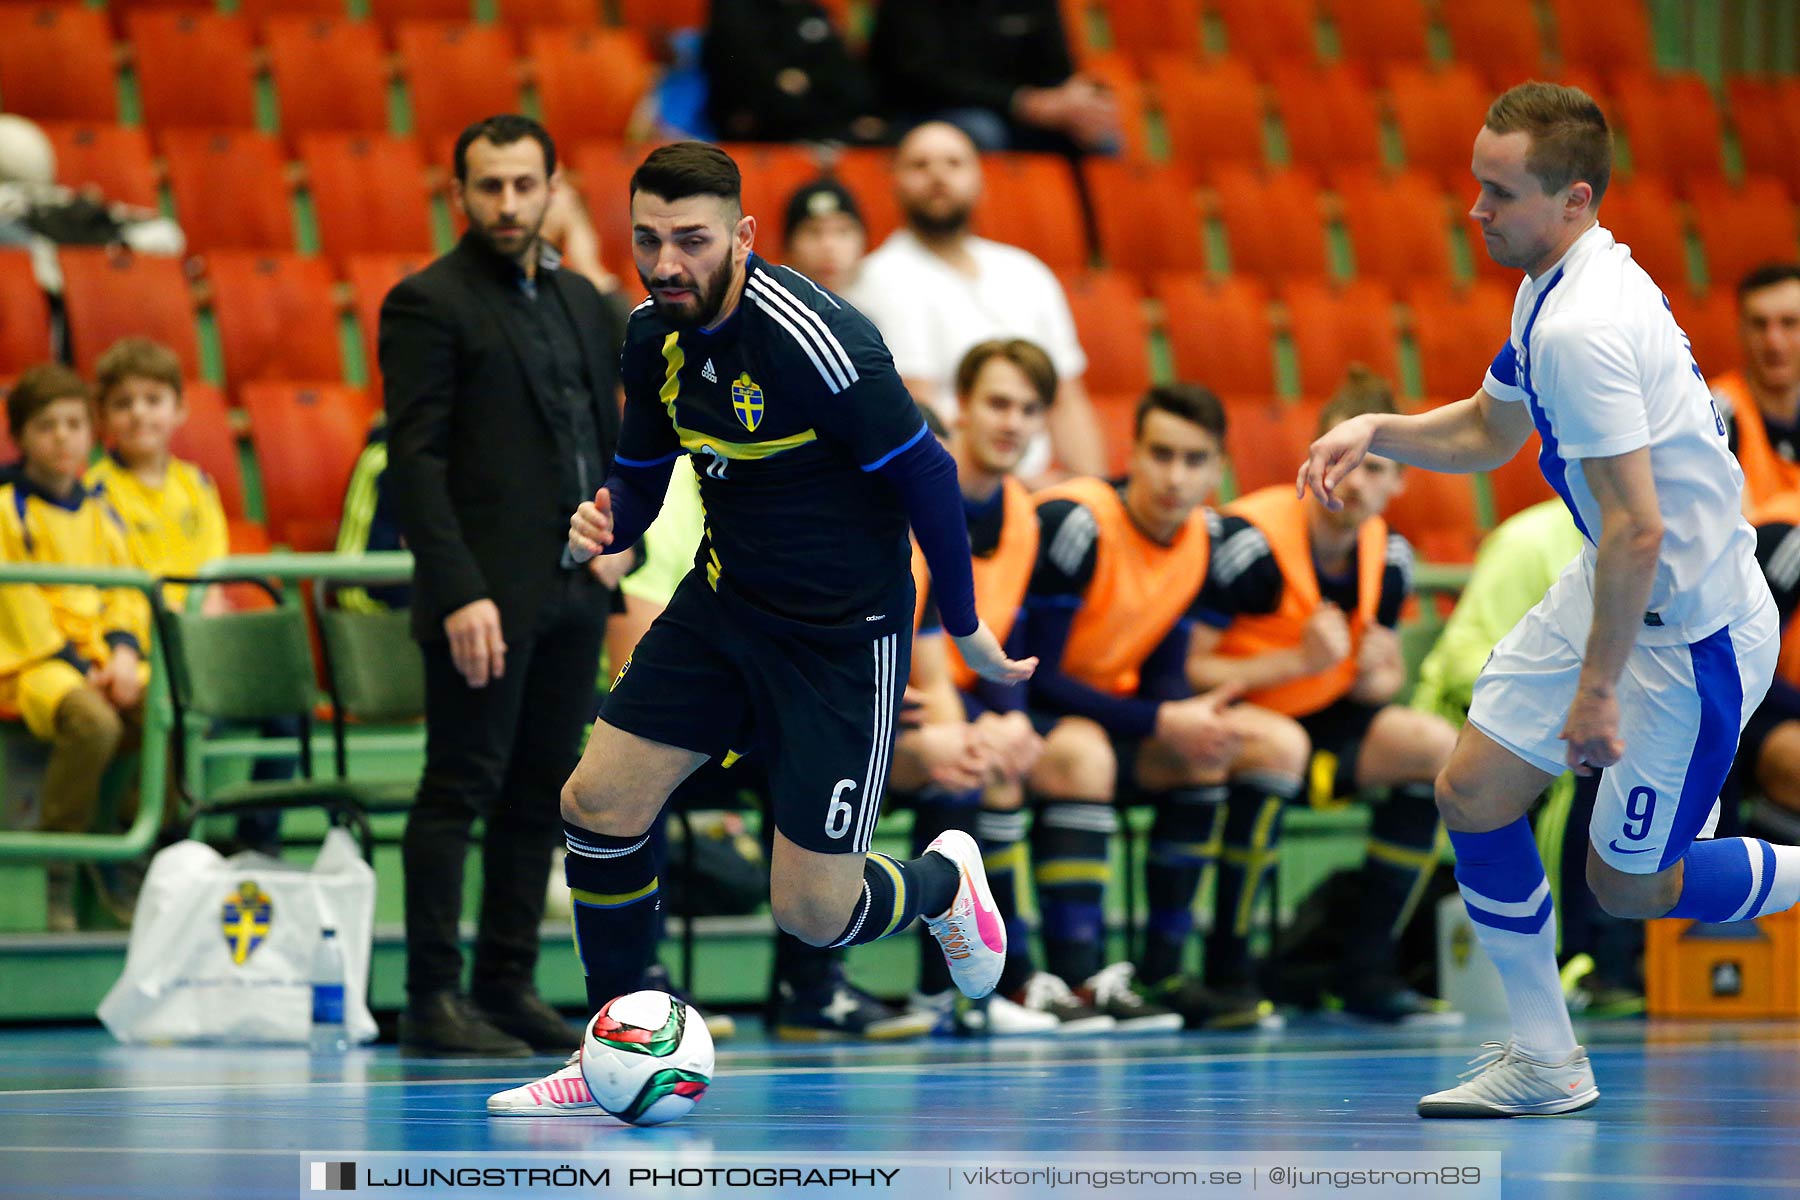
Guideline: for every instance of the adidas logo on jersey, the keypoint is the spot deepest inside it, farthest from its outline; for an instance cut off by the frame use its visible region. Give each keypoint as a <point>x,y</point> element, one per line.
<point>707,373</point>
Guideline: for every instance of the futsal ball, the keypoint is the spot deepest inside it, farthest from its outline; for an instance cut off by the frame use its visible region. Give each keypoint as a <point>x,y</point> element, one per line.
<point>647,1057</point>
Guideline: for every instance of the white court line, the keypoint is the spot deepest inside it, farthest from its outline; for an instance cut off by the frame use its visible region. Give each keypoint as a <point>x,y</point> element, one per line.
<point>739,1073</point>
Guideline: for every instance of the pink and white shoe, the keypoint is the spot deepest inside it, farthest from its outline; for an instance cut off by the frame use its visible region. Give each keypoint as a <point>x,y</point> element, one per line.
<point>561,1093</point>
<point>970,930</point>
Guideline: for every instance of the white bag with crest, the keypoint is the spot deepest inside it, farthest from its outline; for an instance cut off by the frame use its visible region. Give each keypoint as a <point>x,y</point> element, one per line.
<point>222,948</point>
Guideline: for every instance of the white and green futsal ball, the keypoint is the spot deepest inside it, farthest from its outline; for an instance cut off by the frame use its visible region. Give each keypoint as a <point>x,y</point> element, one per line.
<point>647,1057</point>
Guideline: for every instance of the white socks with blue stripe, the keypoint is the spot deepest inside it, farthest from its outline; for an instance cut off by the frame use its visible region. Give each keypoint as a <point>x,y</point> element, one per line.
<point>1737,879</point>
<point>1503,886</point>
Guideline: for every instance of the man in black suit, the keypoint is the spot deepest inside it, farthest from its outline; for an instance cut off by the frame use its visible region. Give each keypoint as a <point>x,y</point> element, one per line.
<point>500,377</point>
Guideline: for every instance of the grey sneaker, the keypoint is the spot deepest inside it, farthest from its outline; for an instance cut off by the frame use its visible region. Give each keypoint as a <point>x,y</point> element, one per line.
<point>1503,1082</point>
<point>1047,993</point>
<point>1110,991</point>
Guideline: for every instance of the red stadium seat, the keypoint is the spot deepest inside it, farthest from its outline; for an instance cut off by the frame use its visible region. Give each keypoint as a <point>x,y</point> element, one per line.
<point>1129,95</point>
<point>1108,308</point>
<point>658,18</point>
<point>194,69</point>
<point>1501,40</point>
<point>1330,116</point>
<point>1457,332</point>
<point>1436,512</point>
<point>1742,228</point>
<point>1333,327</point>
<point>1380,32</point>
<point>568,15</point>
<point>329,75</point>
<point>1265,32</point>
<point>1267,439</point>
<point>1710,321</point>
<point>1603,37</point>
<point>1030,201</point>
<point>1117,414</point>
<point>369,193</point>
<point>605,171</point>
<point>230,190</point>
<point>1214,114</point>
<point>206,439</point>
<point>771,174</point>
<point>276,316</point>
<point>56,62</point>
<point>1766,115</point>
<point>371,277</point>
<point>1518,483</point>
<point>1672,124</point>
<point>391,14</point>
<point>109,296</point>
<point>1439,112</point>
<point>456,73</point>
<point>24,315</point>
<point>113,158</point>
<point>259,11</point>
<point>307,437</point>
<point>589,80</point>
<point>1399,226</point>
<point>1273,225</point>
<point>1149,218</point>
<point>1143,29</point>
<point>1644,214</point>
<point>869,174</point>
<point>1219,332</point>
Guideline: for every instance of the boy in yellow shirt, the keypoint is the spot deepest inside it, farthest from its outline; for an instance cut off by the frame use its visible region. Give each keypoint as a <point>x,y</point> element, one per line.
<point>174,521</point>
<point>71,657</point>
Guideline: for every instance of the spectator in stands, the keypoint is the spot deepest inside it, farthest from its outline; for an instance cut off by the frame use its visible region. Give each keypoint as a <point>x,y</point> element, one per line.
<point>499,376</point>
<point>1761,403</point>
<point>999,71</point>
<point>822,229</point>
<point>934,289</point>
<point>35,209</point>
<point>369,523</point>
<point>1332,585</point>
<point>779,71</point>
<point>71,657</point>
<point>1122,569</point>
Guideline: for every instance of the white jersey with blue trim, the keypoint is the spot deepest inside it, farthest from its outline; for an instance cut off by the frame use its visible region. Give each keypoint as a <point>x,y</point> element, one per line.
<point>1597,356</point>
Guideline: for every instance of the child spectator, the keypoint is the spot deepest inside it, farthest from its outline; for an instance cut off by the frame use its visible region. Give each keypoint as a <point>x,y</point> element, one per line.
<point>71,656</point>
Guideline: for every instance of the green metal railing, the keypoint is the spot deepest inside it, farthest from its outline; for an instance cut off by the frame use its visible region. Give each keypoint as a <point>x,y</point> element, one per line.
<point>159,721</point>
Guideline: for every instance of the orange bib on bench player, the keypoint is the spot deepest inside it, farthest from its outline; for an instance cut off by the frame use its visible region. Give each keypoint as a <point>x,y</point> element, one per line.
<point>1000,578</point>
<point>1784,509</point>
<point>1282,518</point>
<point>1140,589</point>
<point>1766,473</point>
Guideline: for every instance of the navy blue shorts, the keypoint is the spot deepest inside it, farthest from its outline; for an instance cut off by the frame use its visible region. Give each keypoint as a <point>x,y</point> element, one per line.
<point>823,714</point>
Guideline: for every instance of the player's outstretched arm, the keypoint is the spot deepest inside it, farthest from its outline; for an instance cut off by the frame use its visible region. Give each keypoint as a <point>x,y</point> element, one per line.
<point>1477,434</point>
<point>985,656</point>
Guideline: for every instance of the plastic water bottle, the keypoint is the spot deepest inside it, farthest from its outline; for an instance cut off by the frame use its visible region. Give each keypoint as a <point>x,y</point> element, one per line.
<point>329,1036</point>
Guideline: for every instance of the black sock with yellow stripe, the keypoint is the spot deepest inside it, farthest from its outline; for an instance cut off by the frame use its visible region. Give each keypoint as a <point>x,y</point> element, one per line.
<point>613,887</point>
<point>1001,836</point>
<point>895,893</point>
<point>1184,844</point>
<point>1403,855</point>
<point>1253,813</point>
<point>1069,844</point>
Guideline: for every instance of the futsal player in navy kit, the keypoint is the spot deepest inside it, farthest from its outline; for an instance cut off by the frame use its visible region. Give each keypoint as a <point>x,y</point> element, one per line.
<point>792,631</point>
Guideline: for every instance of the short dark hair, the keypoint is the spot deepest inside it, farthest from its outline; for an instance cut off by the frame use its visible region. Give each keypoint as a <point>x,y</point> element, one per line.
<point>503,130</point>
<point>39,388</point>
<point>1026,355</point>
<point>683,169</point>
<point>1363,391</point>
<point>1190,401</point>
<point>1569,137</point>
<point>1766,276</point>
<point>933,422</point>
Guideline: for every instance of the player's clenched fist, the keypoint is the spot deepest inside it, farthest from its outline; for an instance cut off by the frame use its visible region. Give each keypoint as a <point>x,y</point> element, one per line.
<point>591,528</point>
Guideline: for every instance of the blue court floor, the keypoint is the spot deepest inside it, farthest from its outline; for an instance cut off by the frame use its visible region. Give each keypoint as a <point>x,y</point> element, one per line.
<point>1689,1110</point>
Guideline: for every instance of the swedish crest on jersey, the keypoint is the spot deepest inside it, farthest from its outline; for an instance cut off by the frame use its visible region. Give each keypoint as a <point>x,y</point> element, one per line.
<point>747,401</point>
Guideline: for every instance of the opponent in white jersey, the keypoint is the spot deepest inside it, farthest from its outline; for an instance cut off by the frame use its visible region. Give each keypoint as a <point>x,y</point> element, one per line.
<point>1649,653</point>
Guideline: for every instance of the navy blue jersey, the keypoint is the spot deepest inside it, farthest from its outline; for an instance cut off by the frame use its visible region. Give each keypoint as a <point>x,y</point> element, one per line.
<point>788,408</point>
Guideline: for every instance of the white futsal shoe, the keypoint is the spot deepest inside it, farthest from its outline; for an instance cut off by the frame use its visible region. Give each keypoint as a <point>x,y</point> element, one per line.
<point>970,930</point>
<point>1505,1083</point>
<point>561,1093</point>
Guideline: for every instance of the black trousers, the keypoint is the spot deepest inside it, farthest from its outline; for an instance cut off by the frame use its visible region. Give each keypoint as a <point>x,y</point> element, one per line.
<point>501,753</point>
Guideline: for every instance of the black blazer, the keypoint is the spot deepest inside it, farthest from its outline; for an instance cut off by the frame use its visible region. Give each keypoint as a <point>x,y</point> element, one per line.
<point>471,454</point>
